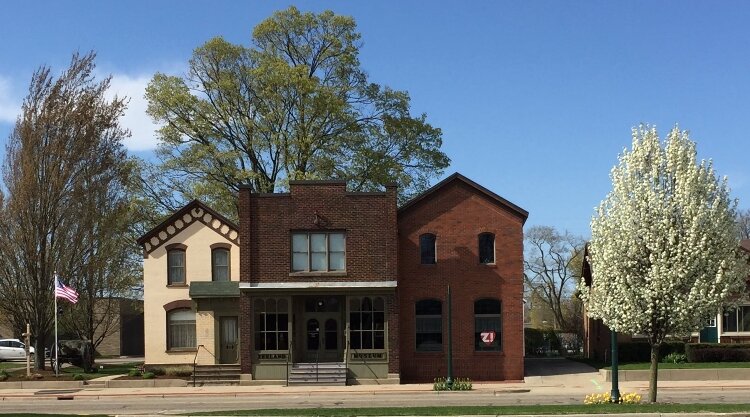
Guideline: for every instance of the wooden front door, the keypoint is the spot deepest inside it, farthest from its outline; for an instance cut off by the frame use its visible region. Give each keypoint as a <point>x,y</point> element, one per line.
<point>228,338</point>
<point>323,337</point>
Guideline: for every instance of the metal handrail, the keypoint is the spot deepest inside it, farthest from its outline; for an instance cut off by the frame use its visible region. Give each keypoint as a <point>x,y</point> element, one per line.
<point>195,359</point>
<point>288,358</point>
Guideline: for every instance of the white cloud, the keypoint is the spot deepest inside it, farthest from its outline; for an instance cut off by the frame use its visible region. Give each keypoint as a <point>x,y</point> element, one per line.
<point>142,129</point>
<point>10,104</point>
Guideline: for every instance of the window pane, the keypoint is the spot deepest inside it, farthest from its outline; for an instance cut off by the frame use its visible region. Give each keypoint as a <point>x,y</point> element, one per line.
<point>366,321</point>
<point>486,248</point>
<point>729,322</point>
<point>487,306</point>
<point>176,267</point>
<point>336,242</point>
<point>283,341</point>
<point>337,261</point>
<point>355,340</point>
<point>318,262</point>
<point>299,242</point>
<point>354,321</point>
<point>283,322</point>
<point>379,321</point>
<point>427,248</point>
<point>220,260</point>
<point>379,340</point>
<point>378,304</point>
<point>318,242</point>
<point>299,262</point>
<point>487,325</point>
<point>744,318</point>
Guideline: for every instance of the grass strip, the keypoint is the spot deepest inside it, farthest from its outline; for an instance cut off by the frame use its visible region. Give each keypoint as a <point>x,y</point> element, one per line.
<point>490,410</point>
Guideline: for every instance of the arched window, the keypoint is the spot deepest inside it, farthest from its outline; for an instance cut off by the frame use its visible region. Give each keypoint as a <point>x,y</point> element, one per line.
<point>176,266</point>
<point>367,323</point>
<point>427,249</point>
<point>487,325</point>
<point>429,326</point>
<point>486,248</point>
<point>220,264</point>
<point>181,329</point>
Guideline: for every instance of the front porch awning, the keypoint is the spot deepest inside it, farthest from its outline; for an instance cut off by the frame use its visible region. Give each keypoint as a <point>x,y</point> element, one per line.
<point>319,286</point>
<point>214,289</point>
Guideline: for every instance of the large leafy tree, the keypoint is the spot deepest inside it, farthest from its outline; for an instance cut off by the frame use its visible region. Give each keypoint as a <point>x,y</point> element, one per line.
<point>551,272</point>
<point>63,209</point>
<point>664,249</point>
<point>295,104</point>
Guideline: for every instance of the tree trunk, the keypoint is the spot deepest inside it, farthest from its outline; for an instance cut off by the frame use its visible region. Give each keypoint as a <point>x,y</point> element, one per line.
<point>653,377</point>
<point>39,352</point>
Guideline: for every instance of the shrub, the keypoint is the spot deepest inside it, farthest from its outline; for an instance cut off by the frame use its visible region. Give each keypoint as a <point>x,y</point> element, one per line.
<point>148,375</point>
<point>459,384</point>
<point>3,375</point>
<point>180,372</point>
<point>78,377</point>
<point>134,372</point>
<point>158,371</point>
<point>641,351</point>
<point>675,358</point>
<point>718,352</point>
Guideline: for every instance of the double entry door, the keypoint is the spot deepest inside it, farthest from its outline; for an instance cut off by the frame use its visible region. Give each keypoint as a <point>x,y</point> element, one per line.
<point>323,337</point>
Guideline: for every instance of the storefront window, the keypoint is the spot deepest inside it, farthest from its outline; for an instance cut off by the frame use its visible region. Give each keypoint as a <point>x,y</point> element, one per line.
<point>271,323</point>
<point>367,323</point>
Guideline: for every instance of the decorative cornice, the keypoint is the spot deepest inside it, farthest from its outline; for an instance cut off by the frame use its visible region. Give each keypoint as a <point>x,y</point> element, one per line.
<point>195,211</point>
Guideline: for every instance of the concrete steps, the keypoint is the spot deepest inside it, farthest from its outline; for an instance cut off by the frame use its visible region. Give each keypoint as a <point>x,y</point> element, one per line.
<point>325,373</point>
<point>215,375</point>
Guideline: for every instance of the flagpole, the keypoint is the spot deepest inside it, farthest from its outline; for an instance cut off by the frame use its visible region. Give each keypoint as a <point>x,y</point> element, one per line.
<point>57,363</point>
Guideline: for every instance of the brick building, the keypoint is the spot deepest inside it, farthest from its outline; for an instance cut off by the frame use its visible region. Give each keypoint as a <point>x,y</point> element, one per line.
<point>332,276</point>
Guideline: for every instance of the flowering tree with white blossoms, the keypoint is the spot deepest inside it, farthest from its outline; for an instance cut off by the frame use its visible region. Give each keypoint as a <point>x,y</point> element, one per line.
<point>664,250</point>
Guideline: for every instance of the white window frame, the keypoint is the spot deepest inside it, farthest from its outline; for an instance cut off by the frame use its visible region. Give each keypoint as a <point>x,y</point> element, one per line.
<point>309,252</point>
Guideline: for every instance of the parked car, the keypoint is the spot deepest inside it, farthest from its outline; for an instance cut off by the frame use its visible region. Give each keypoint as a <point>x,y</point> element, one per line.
<point>13,349</point>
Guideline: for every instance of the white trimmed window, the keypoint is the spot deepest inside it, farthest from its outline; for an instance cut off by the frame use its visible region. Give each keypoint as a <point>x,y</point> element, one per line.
<point>318,252</point>
<point>736,320</point>
<point>181,329</point>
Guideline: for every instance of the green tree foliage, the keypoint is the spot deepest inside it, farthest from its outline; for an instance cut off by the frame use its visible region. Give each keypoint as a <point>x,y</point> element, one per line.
<point>664,251</point>
<point>64,209</point>
<point>296,104</point>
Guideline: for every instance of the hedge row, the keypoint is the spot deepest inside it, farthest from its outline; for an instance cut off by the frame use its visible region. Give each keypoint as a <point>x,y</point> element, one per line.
<point>641,351</point>
<point>718,352</point>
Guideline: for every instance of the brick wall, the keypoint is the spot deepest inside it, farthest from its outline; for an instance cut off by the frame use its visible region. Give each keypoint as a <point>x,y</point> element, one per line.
<point>457,213</point>
<point>369,220</point>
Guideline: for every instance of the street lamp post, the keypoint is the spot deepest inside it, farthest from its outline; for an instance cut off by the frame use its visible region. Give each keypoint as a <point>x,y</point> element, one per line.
<point>449,379</point>
<point>615,393</point>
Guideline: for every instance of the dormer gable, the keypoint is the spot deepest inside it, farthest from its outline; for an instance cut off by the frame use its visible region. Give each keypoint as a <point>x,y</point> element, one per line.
<point>194,211</point>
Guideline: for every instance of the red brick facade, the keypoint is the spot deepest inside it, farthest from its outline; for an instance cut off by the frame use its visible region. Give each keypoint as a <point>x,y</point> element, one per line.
<point>382,247</point>
<point>457,213</point>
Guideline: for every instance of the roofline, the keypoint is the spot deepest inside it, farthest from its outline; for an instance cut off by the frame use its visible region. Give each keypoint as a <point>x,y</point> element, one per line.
<point>179,213</point>
<point>456,176</point>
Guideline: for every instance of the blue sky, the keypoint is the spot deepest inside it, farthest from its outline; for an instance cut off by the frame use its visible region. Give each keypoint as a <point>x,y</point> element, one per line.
<point>535,99</point>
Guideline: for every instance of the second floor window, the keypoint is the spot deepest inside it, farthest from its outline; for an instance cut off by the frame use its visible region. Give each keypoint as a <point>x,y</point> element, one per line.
<point>427,249</point>
<point>176,267</point>
<point>318,252</point>
<point>487,248</point>
<point>220,264</point>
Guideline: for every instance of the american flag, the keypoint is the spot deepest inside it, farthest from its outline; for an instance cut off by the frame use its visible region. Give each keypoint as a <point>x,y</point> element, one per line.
<point>63,291</point>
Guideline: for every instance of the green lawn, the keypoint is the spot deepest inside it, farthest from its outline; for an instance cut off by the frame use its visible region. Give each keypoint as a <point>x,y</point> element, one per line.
<point>646,365</point>
<point>690,365</point>
<point>491,410</point>
<point>68,371</point>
